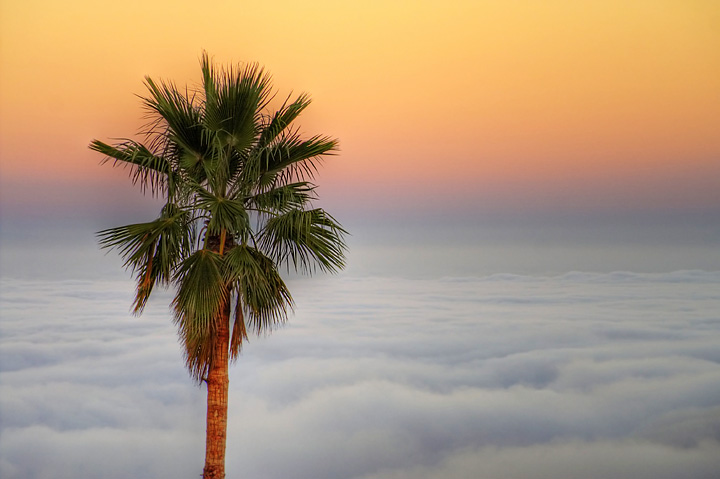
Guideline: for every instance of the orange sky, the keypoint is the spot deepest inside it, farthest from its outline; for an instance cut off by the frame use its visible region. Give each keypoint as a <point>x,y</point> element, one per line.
<point>512,104</point>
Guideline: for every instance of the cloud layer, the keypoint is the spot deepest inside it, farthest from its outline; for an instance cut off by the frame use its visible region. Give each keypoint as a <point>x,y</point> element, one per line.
<point>575,376</point>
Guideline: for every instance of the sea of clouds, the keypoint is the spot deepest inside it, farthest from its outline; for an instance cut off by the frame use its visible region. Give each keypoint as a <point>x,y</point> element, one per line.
<point>577,376</point>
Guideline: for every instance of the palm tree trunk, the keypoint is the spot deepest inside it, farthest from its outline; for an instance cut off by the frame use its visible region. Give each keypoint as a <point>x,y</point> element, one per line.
<point>217,401</point>
<point>218,380</point>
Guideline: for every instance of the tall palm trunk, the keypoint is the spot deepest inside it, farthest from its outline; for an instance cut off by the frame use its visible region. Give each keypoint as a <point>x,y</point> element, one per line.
<point>217,382</point>
<point>217,401</point>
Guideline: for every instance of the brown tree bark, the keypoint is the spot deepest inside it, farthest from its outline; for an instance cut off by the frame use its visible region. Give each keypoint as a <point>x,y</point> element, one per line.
<point>217,401</point>
<point>217,382</point>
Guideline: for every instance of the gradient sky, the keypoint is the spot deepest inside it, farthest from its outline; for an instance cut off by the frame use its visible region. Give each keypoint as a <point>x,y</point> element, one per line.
<point>445,110</point>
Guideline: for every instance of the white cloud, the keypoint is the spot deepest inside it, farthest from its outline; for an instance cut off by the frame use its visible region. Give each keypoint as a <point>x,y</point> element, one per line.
<point>569,460</point>
<point>577,376</point>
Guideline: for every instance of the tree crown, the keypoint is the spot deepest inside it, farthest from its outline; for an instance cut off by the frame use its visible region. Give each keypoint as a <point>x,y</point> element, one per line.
<point>237,184</point>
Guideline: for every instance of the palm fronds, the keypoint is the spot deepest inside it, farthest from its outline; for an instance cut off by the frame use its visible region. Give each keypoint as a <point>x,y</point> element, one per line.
<point>305,239</point>
<point>151,250</point>
<point>240,173</point>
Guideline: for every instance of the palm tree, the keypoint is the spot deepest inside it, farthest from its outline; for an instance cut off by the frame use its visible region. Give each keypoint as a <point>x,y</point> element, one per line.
<point>236,180</point>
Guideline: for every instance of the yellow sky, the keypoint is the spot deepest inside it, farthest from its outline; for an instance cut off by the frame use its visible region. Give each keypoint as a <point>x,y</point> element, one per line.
<point>553,98</point>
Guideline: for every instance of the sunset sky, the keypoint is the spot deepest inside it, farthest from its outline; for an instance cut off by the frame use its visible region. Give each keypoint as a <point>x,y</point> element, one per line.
<point>453,113</point>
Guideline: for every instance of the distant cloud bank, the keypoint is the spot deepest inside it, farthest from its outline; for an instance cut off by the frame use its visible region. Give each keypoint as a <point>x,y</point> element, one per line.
<point>505,376</point>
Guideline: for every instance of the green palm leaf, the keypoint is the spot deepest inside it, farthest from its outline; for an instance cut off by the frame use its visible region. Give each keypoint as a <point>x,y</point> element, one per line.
<point>223,213</point>
<point>151,250</point>
<point>291,158</point>
<point>257,281</point>
<point>148,169</point>
<point>177,128</point>
<point>284,197</point>
<point>305,239</point>
<point>201,295</point>
<point>282,119</point>
<point>232,100</point>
